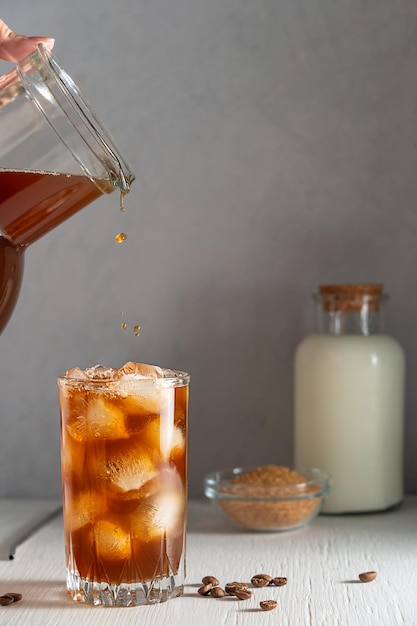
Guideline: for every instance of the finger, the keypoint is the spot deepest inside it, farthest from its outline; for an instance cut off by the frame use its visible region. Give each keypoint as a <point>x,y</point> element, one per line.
<point>48,42</point>
<point>5,31</point>
<point>14,47</point>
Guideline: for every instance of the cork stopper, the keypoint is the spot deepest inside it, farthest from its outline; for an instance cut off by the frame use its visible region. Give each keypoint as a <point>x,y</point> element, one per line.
<point>351,298</point>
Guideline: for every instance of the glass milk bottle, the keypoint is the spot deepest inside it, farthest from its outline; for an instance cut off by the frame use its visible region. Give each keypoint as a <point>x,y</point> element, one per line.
<point>349,400</point>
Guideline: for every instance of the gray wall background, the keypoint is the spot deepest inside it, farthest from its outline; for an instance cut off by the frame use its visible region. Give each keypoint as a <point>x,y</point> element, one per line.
<point>274,144</point>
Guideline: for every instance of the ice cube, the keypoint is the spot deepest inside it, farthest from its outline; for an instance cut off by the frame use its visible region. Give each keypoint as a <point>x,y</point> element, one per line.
<point>83,508</point>
<point>140,370</point>
<point>112,542</point>
<point>128,469</point>
<point>142,398</point>
<point>178,442</point>
<point>76,373</point>
<point>162,509</point>
<point>101,372</point>
<point>73,458</point>
<point>167,510</point>
<point>99,419</point>
<point>162,438</point>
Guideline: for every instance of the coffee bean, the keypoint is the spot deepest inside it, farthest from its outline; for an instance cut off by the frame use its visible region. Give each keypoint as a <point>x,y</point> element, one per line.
<point>6,600</point>
<point>210,579</point>
<point>205,590</point>
<point>231,588</point>
<point>243,594</point>
<point>367,577</point>
<point>261,580</point>
<point>15,596</point>
<point>217,592</point>
<point>268,605</point>
<point>279,581</point>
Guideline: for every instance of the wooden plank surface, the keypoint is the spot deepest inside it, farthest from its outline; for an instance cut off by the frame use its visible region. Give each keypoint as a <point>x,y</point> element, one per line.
<point>19,518</point>
<point>321,563</point>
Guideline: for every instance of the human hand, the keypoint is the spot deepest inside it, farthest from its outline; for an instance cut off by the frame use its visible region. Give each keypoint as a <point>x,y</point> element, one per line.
<point>15,47</point>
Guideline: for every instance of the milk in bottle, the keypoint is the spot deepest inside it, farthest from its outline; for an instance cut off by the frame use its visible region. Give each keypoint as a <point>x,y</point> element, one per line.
<point>349,400</point>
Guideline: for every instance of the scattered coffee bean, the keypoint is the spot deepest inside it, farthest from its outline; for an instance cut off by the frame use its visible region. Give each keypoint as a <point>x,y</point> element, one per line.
<point>9,595</point>
<point>268,605</point>
<point>243,594</point>
<point>5,600</point>
<point>205,590</point>
<point>231,588</point>
<point>217,592</point>
<point>210,579</point>
<point>279,581</point>
<point>261,580</point>
<point>16,596</point>
<point>367,577</point>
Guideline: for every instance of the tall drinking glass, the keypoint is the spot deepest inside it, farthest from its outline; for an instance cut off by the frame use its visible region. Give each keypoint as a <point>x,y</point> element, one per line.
<point>124,474</point>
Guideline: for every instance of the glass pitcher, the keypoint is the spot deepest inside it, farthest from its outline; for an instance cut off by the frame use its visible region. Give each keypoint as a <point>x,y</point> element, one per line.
<point>55,158</point>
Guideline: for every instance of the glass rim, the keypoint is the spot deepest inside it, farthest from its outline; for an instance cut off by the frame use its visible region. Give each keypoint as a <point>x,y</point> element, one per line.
<point>171,378</point>
<point>219,485</point>
<point>59,89</point>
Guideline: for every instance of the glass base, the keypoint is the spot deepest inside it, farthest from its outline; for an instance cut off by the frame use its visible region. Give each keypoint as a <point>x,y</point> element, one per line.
<point>125,594</point>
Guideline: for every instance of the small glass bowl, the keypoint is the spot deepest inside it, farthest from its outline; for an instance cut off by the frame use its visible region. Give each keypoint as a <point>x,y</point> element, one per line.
<point>265,507</point>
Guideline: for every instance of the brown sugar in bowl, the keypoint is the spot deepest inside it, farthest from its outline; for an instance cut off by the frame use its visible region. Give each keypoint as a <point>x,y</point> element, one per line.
<point>268,497</point>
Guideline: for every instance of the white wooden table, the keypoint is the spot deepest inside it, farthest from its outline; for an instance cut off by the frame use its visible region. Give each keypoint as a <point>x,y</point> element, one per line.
<point>321,563</point>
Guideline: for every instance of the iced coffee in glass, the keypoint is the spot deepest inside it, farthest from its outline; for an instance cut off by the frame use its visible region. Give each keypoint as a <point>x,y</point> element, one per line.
<point>124,476</point>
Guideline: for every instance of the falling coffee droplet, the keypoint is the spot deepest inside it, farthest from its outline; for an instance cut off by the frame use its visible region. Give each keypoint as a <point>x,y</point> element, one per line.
<point>121,237</point>
<point>122,202</point>
<point>136,330</point>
